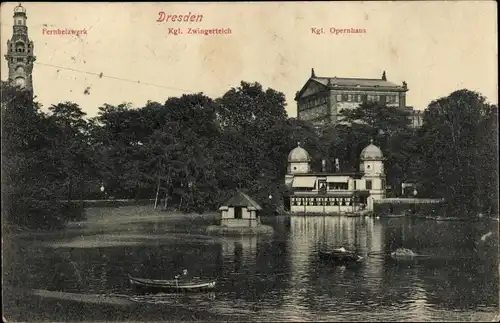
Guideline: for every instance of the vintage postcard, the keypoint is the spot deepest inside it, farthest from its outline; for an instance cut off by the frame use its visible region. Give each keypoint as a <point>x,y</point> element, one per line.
<point>250,161</point>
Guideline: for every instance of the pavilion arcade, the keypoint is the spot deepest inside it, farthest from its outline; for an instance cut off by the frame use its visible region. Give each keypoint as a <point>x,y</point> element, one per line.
<point>335,193</point>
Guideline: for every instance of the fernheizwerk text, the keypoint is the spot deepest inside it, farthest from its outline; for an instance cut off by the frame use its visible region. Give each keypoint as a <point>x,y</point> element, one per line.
<point>64,32</point>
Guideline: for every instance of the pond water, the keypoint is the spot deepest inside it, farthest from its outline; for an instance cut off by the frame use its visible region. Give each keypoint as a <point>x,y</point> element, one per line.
<point>81,273</point>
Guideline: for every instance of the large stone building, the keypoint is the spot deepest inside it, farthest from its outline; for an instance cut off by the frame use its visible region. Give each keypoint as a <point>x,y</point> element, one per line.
<point>335,193</point>
<point>322,98</point>
<point>20,52</point>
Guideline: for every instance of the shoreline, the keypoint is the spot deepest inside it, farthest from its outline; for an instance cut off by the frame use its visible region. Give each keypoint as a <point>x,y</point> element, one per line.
<point>90,307</point>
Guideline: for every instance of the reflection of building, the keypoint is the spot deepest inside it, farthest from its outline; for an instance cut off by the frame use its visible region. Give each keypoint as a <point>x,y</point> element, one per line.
<point>322,98</point>
<point>240,254</point>
<point>20,56</point>
<point>335,192</point>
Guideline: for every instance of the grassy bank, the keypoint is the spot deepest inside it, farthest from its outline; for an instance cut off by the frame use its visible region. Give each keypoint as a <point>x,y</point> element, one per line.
<point>21,305</point>
<point>113,202</point>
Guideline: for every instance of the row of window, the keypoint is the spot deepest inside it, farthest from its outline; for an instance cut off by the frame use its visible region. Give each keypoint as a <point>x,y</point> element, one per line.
<point>17,60</point>
<point>318,201</point>
<point>367,97</point>
<point>352,98</point>
<point>309,103</point>
<point>341,186</point>
<point>337,186</point>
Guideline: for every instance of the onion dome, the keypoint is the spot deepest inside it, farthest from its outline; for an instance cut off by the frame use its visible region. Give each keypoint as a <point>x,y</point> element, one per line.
<point>298,154</point>
<point>371,152</point>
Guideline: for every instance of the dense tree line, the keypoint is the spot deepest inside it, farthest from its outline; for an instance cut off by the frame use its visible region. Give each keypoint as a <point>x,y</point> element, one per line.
<point>193,151</point>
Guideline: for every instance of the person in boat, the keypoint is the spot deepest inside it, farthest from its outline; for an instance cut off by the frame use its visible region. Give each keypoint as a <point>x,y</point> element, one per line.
<point>183,275</point>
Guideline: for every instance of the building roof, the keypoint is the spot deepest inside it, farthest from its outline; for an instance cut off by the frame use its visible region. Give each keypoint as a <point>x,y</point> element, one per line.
<point>363,82</point>
<point>352,83</point>
<point>242,199</point>
<point>371,152</point>
<point>19,9</point>
<point>299,154</point>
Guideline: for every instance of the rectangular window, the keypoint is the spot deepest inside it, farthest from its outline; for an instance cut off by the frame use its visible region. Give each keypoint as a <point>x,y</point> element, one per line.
<point>349,98</point>
<point>368,184</point>
<point>354,182</point>
<point>19,59</point>
<point>364,98</point>
<point>339,98</point>
<point>382,99</point>
<point>344,97</point>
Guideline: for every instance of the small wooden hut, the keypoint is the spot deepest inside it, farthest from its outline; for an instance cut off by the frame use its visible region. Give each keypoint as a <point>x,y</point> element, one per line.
<point>240,211</point>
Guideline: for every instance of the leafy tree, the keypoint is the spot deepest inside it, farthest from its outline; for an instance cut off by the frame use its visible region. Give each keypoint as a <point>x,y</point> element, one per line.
<point>486,163</point>
<point>389,126</point>
<point>119,134</point>
<point>29,189</point>
<point>68,136</point>
<point>453,148</point>
<point>254,141</point>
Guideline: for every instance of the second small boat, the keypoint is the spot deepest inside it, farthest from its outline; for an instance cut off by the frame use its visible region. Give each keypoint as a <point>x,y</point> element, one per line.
<point>340,255</point>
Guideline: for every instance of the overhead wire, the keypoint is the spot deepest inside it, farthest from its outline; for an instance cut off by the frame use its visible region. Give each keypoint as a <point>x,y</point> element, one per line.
<point>102,75</point>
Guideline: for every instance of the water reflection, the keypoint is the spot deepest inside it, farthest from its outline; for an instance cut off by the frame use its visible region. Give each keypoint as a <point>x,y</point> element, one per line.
<point>279,278</point>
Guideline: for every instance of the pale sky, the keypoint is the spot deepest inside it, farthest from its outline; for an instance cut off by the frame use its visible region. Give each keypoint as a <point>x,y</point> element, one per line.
<point>436,47</point>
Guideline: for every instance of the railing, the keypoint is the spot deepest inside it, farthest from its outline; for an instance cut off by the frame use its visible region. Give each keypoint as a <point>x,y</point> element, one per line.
<point>409,201</point>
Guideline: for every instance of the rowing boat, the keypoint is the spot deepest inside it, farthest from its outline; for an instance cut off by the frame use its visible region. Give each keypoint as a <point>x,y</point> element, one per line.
<point>340,255</point>
<point>389,216</point>
<point>174,285</point>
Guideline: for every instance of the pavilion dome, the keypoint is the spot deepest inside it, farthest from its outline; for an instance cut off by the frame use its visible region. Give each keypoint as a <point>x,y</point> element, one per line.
<point>371,152</point>
<point>298,154</point>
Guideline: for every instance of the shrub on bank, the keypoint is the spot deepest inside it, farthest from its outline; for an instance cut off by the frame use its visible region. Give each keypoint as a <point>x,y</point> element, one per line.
<point>41,214</point>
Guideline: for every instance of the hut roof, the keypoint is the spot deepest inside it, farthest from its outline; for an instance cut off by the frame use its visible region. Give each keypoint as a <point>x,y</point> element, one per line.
<point>242,199</point>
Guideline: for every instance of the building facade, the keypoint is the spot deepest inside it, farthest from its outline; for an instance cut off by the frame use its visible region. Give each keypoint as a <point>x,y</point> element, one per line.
<point>417,117</point>
<point>335,193</point>
<point>240,211</point>
<point>322,98</point>
<point>20,52</point>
